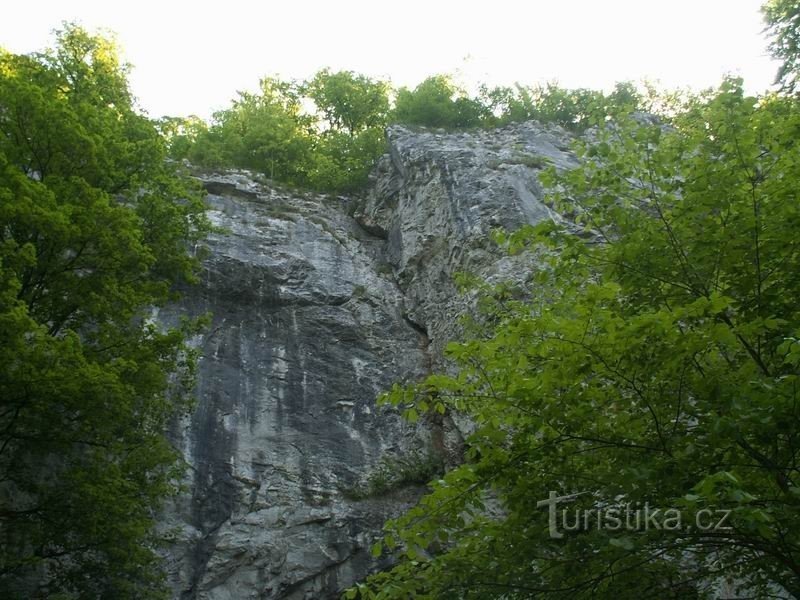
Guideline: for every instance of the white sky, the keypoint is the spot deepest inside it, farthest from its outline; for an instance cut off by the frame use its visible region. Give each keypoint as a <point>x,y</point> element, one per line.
<point>192,57</point>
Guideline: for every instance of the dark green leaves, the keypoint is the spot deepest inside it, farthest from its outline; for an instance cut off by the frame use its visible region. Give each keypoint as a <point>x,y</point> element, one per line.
<point>95,231</point>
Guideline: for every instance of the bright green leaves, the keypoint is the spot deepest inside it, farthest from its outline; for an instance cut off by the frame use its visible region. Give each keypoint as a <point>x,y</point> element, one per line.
<point>326,133</point>
<point>275,131</point>
<point>349,102</point>
<point>438,102</point>
<point>376,550</point>
<point>656,365</point>
<point>574,109</point>
<point>342,161</point>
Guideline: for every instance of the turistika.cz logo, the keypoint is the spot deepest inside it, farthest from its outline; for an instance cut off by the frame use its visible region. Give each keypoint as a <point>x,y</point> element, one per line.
<point>627,517</point>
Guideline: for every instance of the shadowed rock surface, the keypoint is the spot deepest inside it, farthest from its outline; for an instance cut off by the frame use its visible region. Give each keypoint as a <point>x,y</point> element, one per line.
<point>318,305</point>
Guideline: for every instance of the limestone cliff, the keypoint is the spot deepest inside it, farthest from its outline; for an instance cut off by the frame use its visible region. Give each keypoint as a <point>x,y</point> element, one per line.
<point>318,305</point>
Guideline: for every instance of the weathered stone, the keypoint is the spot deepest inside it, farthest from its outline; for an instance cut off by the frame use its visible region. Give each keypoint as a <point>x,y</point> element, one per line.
<point>436,197</point>
<point>315,312</point>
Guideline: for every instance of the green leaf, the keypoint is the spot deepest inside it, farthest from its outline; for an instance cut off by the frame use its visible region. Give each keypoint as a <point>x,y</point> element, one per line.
<point>376,549</point>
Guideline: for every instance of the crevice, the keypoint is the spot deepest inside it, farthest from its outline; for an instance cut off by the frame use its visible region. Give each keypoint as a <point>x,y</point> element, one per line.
<point>374,231</point>
<point>420,329</point>
<point>424,341</point>
<point>223,188</point>
<point>297,585</point>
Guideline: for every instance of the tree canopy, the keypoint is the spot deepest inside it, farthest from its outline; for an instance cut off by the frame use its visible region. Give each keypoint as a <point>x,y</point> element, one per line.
<point>438,102</point>
<point>96,230</point>
<point>348,101</point>
<point>331,148</point>
<point>327,132</point>
<point>782,18</point>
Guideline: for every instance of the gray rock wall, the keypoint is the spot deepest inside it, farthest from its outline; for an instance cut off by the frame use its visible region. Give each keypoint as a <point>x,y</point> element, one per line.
<point>318,305</point>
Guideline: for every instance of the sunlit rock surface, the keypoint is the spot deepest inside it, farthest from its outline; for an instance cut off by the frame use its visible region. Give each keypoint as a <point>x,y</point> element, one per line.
<point>318,305</point>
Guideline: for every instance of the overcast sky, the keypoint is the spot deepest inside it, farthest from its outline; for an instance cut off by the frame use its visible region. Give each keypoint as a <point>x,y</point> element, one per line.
<point>191,57</point>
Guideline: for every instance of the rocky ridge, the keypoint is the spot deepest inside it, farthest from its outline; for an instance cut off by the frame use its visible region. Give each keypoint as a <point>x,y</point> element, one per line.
<point>318,305</point>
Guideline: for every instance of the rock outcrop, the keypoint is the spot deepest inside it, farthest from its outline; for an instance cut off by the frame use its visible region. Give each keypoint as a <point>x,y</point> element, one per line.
<point>318,305</point>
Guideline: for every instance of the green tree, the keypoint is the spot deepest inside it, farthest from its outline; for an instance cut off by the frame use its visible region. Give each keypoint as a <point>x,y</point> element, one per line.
<point>350,137</point>
<point>783,25</point>
<point>181,134</point>
<point>272,132</point>
<point>348,101</point>
<point>95,232</point>
<point>509,104</point>
<point>438,102</point>
<point>574,109</point>
<point>265,131</point>
<point>342,162</point>
<point>657,364</point>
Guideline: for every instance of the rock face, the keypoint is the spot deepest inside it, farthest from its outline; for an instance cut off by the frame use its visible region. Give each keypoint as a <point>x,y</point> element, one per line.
<point>318,305</point>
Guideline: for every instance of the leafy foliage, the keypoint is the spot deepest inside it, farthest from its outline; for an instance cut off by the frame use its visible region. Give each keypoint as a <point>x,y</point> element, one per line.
<point>266,132</point>
<point>334,147</point>
<point>349,102</point>
<point>181,133</point>
<point>652,359</point>
<point>437,102</point>
<point>573,109</point>
<point>783,24</point>
<point>94,231</point>
<point>342,162</point>
<point>271,132</point>
<point>392,473</point>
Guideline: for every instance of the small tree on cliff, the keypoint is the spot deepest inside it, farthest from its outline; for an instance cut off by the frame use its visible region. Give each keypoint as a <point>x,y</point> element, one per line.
<point>657,364</point>
<point>438,102</point>
<point>348,101</point>
<point>354,109</point>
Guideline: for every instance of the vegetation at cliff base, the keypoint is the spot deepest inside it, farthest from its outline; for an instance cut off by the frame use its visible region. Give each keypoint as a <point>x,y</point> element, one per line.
<point>96,231</point>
